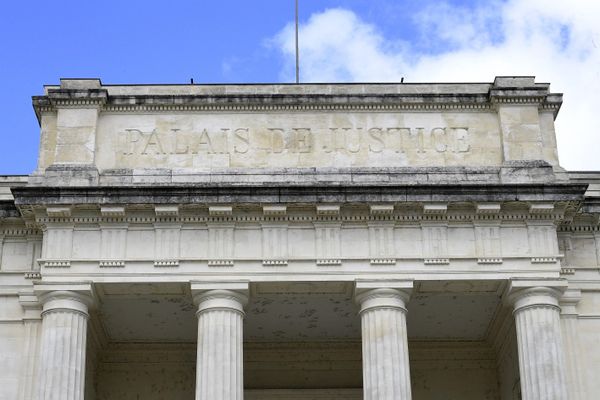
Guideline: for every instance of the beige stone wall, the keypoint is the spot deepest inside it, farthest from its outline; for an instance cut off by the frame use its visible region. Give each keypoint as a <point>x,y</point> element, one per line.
<point>588,327</point>
<point>380,125</point>
<point>12,346</point>
<point>302,365</point>
<point>146,372</point>
<point>460,370</point>
<point>305,139</point>
<point>508,366</point>
<point>465,371</point>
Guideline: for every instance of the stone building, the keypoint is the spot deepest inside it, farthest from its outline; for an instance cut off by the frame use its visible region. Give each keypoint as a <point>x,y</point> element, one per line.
<point>313,241</point>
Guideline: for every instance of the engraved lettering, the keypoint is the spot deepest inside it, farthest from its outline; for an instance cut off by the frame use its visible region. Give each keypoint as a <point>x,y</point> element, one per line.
<point>154,143</point>
<point>358,132</point>
<point>133,137</point>
<point>348,140</point>
<point>277,140</point>
<point>438,135</point>
<point>206,142</point>
<point>181,147</point>
<point>414,140</point>
<point>242,140</point>
<point>378,144</point>
<point>461,139</point>
<point>302,140</point>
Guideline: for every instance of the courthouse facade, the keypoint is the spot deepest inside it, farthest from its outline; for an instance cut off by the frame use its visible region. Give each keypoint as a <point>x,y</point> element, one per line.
<point>312,241</point>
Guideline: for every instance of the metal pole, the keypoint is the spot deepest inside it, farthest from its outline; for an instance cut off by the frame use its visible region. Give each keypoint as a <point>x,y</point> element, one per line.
<point>297,48</point>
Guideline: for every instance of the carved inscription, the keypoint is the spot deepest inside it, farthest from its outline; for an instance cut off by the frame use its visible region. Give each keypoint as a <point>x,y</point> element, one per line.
<point>277,140</point>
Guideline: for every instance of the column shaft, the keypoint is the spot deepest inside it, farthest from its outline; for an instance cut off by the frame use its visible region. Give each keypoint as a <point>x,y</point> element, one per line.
<point>61,373</point>
<point>219,372</point>
<point>386,368</point>
<point>219,356</point>
<point>541,354</point>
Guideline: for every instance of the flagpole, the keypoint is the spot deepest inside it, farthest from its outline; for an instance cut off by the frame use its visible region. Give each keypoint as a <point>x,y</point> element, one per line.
<point>297,48</point>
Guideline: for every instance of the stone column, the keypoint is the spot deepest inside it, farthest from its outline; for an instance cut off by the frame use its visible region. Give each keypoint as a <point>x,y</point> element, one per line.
<point>219,364</point>
<point>61,372</point>
<point>32,321</point>
<point>573,351</point>
<point>541,354</point>
<point>386,369</point>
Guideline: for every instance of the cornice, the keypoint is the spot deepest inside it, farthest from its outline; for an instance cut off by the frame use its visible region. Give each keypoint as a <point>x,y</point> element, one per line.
<point>8,210</point>
<point>344,100</point>
<point>306,194</point>
<point>194,108</point>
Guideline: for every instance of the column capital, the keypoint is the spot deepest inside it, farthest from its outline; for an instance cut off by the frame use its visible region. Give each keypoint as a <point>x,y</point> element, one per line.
<point>231,296</point>
<point>529,293</point>
<point>382,294</point>
<point>65,296</point>
<point>569,301</point>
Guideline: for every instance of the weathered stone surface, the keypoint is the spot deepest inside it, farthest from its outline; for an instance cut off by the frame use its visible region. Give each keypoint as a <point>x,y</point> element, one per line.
<point>152,195</point>
<point>302,126</point>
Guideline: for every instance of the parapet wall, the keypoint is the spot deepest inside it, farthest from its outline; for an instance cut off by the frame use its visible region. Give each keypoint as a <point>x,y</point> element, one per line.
<point>198,129</point>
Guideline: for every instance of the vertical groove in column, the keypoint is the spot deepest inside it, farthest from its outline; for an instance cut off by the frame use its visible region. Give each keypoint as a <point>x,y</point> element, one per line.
<point>225,354</point>
<point>403,354</point>
<point>526,375</point>
<point>238,361</point>
<point>200,357</point>
<point>366,356</point>
<point>538,317</point>
<point>80,356</point>
<point>374,372</point>
<point>43,373</point>
<point>379,337</point>
<point>51,346</point>
<point>70,339</point>
<point>386,371</point>
<point>62,358</point>
<point>540,353</point>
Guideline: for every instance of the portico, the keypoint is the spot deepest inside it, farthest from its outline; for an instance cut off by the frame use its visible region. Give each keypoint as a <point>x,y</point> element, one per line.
<point>377,242</point>
<point>141,329</point>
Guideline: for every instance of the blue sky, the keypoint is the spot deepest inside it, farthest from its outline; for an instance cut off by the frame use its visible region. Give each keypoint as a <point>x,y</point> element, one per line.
<point>249,41</point>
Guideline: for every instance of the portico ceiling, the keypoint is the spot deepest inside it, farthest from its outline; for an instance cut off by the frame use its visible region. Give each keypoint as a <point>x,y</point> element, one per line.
<point>297,312</point>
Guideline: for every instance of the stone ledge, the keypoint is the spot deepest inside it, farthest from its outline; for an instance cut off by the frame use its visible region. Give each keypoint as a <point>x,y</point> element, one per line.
<point>89,175</point>
<point>317,193</point>
<point>407,95</point>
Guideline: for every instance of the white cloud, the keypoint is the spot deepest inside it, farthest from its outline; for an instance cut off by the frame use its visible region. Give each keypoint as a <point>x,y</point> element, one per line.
<point>558,41</point>
<point>337,46</point>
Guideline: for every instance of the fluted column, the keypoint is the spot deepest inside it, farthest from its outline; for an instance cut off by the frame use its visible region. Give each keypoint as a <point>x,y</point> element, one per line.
<point>61,372</point>
<point>541,353</point>
<point>219,364</point>
<point>386,368</point>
